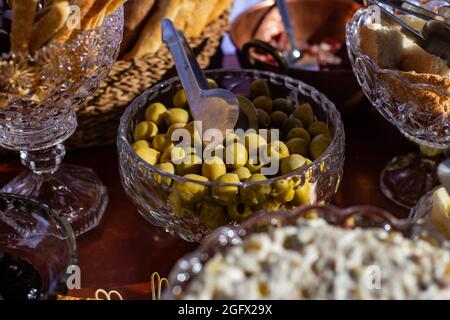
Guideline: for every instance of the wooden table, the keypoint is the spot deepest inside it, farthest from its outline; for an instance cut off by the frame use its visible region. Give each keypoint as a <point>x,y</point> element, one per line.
<point>124,250</point>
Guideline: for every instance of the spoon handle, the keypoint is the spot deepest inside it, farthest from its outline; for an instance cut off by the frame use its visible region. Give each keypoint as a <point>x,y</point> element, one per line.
<point>199,75</point>
<point>182,63</point>
<point>287,23</point>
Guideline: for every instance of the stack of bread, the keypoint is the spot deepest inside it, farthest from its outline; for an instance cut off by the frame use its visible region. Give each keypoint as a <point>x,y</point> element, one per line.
<point>388,47</point>
<point>142,33</point>
<point>35,23</point>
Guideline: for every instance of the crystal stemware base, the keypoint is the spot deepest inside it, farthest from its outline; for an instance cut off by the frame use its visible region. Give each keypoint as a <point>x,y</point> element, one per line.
<point>76,192</point>
<point>405,179</point>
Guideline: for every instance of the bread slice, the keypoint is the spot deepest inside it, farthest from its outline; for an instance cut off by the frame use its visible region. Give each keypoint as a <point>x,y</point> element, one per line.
<point>382,44</point>
<point>150,38</point>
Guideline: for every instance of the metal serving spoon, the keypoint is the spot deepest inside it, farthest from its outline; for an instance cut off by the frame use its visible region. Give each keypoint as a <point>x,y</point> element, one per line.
<point>294,54</point>
<point>215,108</point>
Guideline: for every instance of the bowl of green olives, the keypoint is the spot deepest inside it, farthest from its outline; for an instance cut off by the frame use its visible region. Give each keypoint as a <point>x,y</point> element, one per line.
<point>190,185</point>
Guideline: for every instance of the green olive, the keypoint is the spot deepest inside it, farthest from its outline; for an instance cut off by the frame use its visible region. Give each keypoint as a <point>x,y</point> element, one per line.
<point>292,163</point>
<point>277,118</point>
<point>162,142</point>
<point>214,151</point>
<point>140,144</point>
<point>191,192</point>
<point>263,119</point>
<point>236,156</point>
<point>256,192</point>
<point>149,155</point>
<point>212,84</point>
<point>166,167</point>
<point>254,165</point>
<point>226,194</point>
<point>194,133</point>
<point>298,133</point>
<point>298,145</point>
<point>174,155</point>
<point>176,115</point>
<point>213,168</point>
<point>259,87</point>
<point>253,142</point>
<point>291,123</point>
<point>269,205</point>
<point>156,112</point>
<point>243,173</point>
<point>280,148</point>
<point>317,128</point>
<point>304,195</point>
<point>180,99</point>
<point>304,113</point>
<point>191,164</point>
<point>213,215</point>
<point>319,145</point>
<point>181,209</point>
<point>174,127</point>
<point>145,130</point>
<point>231,138</point>
<point>263,103</point>
<point>283,190</point>
<point>239,211</point>
<point>284,105</point>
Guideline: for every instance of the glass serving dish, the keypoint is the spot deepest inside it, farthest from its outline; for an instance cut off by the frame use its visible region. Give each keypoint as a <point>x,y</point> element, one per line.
<point>37,245</point>
<point>421,214</point>
<point>406,178</point>
<point>153,199</point>
<point>186,269</point>
<point>39,95</point>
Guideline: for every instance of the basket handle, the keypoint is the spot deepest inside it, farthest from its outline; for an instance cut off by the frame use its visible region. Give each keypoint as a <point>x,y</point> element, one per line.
<point>250,62</point>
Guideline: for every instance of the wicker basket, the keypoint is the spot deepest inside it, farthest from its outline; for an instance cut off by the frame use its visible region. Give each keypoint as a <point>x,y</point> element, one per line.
<point>98,118</point>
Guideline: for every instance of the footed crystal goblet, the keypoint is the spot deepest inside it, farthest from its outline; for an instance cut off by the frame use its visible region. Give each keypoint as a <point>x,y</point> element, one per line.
<point>39,94</point>
<point>419,109</point>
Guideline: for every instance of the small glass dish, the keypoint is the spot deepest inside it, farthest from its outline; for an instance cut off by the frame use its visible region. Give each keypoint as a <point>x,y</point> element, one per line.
<point>411,106</point>
<point>37,245</point>
<point>355,217</point>
<point>153,200</point>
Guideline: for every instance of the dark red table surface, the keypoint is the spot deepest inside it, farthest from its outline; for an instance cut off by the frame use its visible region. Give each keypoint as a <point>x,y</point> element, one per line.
<point>124,250</point>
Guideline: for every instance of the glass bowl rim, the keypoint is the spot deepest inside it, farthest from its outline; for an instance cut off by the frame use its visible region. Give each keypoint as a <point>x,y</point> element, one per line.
<point>61,220</point>
<point>212,243</point>
<point>338,137</point>
<point>50,47</point>
<point>354,47</point>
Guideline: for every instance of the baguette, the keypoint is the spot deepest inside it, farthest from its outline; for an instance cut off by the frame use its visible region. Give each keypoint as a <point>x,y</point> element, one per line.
<point>53,20</point>
<point>65,33</point>
<point>23,14</point>
<point>199,17</point>
<point>150,39</point>
<point>136,12</point>
<point>219,9</point>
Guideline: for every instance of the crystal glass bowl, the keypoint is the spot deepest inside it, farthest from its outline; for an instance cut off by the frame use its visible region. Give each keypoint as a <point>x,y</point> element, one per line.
<point>37,245</point>
<point>153,200</point>
<point>39,94</point>
<point>355,217</point>
<point>402,103</point>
